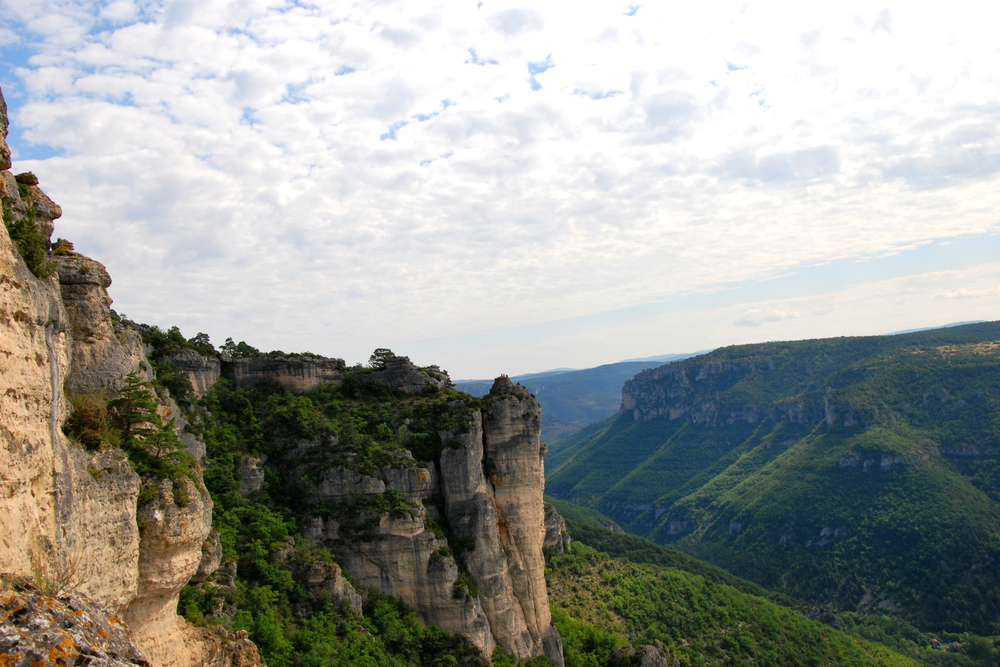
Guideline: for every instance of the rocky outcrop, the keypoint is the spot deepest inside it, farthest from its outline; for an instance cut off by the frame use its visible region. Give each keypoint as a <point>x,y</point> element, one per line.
<point>173,528</point>
<point>655,655</point>
<point>487,488</point>
<point>327,580</point>
<point>4,148</point>
<point>513,458</point>
<point>403,375</point>
<point>556,534</point>
<point>678,391</point>
<point>395,553</point>
<point>61,628</point>
<point>102,354</point>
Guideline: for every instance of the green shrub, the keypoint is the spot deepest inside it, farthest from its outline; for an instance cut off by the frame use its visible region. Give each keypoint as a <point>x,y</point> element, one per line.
<point>30,242</point>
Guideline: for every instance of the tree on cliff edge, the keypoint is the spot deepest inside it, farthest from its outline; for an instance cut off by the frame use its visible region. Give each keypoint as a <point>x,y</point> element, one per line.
<point>134,411</point>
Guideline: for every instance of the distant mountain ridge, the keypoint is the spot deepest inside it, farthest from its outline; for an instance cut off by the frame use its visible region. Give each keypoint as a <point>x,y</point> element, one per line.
<point>859,472</point>
<point>572,399</point>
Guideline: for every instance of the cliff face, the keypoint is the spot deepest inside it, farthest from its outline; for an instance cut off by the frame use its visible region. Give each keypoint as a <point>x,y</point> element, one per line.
<point>70,515</point>
<point>483,574</point>
<point>102,354</point>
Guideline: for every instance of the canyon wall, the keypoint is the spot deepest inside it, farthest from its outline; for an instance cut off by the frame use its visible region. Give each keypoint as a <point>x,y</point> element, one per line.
<point>70,514</point>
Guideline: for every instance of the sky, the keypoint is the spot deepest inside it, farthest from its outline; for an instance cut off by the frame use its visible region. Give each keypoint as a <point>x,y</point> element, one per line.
<point>510,187</point>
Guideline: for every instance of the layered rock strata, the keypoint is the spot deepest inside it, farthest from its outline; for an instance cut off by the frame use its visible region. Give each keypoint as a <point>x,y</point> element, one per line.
<point>690,391</point>
<point>69,515</point>
<point>299,374</point>
<point>202,371</point>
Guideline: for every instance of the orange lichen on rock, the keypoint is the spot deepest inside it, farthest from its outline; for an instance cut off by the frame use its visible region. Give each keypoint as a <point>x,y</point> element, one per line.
<point>37,630</point>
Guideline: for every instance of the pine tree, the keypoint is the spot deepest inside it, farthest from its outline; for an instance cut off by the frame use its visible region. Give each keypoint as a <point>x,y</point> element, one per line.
<point>134,412</point>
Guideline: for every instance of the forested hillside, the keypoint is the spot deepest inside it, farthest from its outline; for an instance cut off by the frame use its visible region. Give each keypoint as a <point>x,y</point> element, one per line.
<point>857,472</point>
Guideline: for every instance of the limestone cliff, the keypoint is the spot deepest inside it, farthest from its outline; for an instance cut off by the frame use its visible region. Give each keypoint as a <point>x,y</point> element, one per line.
<point>482,575</point>
<point>491,482</point>
<point>70,514</point>
<point>691,390</point>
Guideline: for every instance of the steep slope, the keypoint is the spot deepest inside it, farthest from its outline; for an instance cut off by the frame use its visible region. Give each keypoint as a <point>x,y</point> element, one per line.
<point>72,513</point>
<point>856,471</point>
<point>692,619</point>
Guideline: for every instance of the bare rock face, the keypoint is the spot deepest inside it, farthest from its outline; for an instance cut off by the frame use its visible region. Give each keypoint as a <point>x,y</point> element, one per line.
<point>61,628</point>
<point>170,554</point>
<point>298,374</point>
<point>202,371</point>
<point>488,485</point>
<point>102,355</point>
<point>513,456</point>
<point>326,579</point>
<point>397,555</point>
<point>251,475</point>
<point>556,534</point>
<point>68,514</point>
<point>211,558</point>
<point>4,148</point>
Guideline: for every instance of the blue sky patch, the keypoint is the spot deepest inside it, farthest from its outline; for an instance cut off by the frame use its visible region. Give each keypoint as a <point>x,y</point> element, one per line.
<point>391,134</point>
<point>420,118</point>
<point>344,69</point>
<point>732,67</point>
<point>599,95</point>
<point>632,9</point>
<point>538,68</point>
<point>475,59</point>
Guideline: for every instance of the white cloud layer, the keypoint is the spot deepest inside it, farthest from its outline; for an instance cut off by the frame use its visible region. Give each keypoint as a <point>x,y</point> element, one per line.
<point>338,176</point>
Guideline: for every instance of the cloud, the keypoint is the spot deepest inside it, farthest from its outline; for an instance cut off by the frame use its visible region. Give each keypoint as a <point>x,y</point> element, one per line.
<point>803,164</point>
<point>755,317</point>
<point>514,21</point>
<point>884,21</point>
<point>276,172</point>
<point>967,293</point>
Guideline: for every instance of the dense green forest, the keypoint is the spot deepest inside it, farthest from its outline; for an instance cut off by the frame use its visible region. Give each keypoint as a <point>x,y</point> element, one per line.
<point>944,648</point>
<point>601,602</point>
<point>854,472</point>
